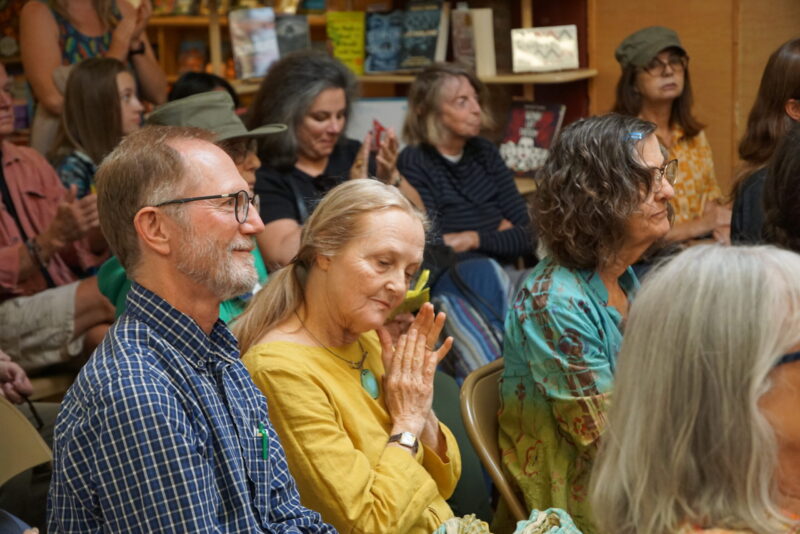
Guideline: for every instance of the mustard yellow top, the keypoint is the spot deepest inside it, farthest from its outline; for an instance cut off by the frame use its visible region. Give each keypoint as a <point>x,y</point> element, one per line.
<point>695,184</point>
<point>335,437</point>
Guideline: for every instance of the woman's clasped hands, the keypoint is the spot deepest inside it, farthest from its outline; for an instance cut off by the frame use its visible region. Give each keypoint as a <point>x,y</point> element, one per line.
<point>410,366</point>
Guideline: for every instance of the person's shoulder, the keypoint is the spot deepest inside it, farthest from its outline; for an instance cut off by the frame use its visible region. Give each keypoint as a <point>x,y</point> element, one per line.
<point>276,353</point>
<point>550,284</point>
<point>38,9</point>
<point>25,154</point>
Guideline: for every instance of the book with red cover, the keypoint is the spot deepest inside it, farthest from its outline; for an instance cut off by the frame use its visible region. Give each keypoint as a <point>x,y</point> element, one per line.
<point>530,132</point>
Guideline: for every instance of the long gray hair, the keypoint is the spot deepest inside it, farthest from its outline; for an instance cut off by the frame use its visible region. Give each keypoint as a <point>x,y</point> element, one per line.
<point>686,442</point>
<point>286,94</point>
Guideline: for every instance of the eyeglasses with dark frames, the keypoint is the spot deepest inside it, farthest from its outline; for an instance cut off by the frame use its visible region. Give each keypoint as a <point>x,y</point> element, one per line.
<point>241,199</point>
<point>657,67</point>
<point>789,358</point>
<point>668,172</point>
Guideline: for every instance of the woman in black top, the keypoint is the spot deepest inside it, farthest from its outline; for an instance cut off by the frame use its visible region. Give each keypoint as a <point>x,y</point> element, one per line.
<point>468,191</point>
<point>311,93</point>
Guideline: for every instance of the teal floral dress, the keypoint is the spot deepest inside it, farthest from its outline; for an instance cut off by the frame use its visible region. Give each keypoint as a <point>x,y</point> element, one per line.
<point>560,351</point>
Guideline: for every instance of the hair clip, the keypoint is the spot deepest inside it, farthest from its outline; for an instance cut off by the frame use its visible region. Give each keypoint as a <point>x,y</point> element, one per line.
<point>636,135</point>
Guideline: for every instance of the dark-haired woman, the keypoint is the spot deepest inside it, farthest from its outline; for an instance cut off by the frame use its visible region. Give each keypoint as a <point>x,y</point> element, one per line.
<point>311,93</point>
<point>776,109</point>
<point>602,200</point>
<point>655,86</point>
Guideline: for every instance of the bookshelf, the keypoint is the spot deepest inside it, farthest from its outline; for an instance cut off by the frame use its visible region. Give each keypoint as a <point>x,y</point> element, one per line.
<point>570,87</point>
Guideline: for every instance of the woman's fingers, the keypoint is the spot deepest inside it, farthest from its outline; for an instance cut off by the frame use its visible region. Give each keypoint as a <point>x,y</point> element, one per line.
<point>419,355</point>
<point>444,349</point>
<point>387,351</point>
<point>436,329</point>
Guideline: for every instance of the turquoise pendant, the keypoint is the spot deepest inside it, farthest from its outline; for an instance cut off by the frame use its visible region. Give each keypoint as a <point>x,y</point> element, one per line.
<point>369,383</point>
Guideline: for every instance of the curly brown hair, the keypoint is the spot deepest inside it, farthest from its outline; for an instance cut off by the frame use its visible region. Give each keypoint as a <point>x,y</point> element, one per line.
<point>590,185</point>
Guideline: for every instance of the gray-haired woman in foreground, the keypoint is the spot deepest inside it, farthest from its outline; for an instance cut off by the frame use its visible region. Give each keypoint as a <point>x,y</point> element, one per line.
<point>703,431</point>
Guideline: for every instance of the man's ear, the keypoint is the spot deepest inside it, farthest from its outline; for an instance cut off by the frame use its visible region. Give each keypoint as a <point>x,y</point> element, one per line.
<point>154,230</point>
<point>792,108</point>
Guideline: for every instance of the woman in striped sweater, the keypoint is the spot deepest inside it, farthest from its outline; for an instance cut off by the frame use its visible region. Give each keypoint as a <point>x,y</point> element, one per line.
<point>468,192</point>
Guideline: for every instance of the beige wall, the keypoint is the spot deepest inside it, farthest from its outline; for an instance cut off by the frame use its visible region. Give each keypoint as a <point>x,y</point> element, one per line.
<point>728,41</point>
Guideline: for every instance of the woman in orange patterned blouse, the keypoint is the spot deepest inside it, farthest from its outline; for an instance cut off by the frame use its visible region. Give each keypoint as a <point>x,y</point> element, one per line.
<point>655,86</point>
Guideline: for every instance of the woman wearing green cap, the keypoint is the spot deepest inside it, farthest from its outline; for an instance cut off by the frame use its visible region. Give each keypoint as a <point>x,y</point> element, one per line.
<point>655,86</point>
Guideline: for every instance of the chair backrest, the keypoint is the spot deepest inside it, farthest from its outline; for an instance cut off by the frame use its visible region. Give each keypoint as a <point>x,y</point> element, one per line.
<point>480,401</point>
<point>21,447</point>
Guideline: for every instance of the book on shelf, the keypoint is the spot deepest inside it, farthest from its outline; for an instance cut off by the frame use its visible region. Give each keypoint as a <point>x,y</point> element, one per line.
<point>346,33</point>
<point>384,44</point>
<point>312,6</point>
<point>543,49</point>
<point>426,27</point>
<point>530,132</point>
<point>473,39</point>
<point>192,56</point>
<point>254,40</point>
<point>185,7</point>
<point>293,33</point>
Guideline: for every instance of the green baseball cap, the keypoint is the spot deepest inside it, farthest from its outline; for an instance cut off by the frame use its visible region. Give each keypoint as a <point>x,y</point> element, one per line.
<point>212,111</point>
<point>637,49</point>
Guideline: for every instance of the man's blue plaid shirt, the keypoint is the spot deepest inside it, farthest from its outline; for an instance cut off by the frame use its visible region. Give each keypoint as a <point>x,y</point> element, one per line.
<point>160,433</point>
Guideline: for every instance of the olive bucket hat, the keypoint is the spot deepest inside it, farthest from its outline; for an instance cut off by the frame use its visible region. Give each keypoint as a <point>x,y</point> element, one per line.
<point>637,49</point>
<point>212,111</point>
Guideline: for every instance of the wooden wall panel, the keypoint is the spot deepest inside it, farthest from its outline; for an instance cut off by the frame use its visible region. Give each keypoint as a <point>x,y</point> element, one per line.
<point>706,32</point>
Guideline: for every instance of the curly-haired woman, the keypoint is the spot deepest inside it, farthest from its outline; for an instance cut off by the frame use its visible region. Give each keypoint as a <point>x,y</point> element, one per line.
<point>602,200</point>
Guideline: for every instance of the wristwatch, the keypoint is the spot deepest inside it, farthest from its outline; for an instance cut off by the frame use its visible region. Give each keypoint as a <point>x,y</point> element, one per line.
<point>406,439</point>
<point>139,50</point>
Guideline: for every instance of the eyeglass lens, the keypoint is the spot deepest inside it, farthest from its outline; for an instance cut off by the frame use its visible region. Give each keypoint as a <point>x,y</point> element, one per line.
<point>242,206</point>
<point>657,67</point>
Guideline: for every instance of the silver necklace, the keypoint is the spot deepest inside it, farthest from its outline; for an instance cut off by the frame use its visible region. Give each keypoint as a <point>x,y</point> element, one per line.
<point>351,363</point>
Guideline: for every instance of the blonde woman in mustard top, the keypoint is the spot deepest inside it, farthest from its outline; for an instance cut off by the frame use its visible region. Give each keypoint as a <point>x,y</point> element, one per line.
<point>353,410</point>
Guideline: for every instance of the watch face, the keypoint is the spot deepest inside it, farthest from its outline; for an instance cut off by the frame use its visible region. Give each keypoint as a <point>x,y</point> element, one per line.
<point>407,439</point>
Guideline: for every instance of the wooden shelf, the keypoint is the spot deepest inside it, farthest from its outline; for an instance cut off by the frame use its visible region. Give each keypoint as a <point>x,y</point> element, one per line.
<point>246,87</point>
<point>202,21</point>
<point>532,77</point>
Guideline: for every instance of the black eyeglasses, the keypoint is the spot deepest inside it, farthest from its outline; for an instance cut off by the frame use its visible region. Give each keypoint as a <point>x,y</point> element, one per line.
<point>668,172</point>
<point>657,67</point>
<point>789,358</point>
<point>241,203</point>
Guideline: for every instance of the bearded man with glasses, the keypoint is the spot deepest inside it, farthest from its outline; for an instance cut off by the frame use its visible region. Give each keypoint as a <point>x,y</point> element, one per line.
<point>164,431</point>
<point>655,86</point>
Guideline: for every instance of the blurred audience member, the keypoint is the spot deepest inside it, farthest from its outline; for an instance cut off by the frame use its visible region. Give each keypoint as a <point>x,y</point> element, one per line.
<point>703,434</point>
<point>100,108</point>
<point>47,316</point>
<point>55,34</point>
<point>776,109</point>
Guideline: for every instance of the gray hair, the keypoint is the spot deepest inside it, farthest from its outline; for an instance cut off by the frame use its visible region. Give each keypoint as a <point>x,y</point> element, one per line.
<point>143,170</point>
<point>334,223</point>
<point>686,441</point>
<point>286,94</point>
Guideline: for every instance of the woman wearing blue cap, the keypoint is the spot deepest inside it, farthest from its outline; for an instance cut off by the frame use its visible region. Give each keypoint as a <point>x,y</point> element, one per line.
<point>655,86</point>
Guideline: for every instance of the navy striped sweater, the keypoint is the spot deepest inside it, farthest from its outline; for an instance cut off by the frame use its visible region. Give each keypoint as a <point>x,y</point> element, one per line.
<point>476,193</point>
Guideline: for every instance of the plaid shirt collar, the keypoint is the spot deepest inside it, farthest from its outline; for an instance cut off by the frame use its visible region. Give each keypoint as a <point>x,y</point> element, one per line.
<point>181,331</point>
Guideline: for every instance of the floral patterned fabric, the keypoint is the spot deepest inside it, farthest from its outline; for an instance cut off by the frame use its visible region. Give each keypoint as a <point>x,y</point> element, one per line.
<point>560,352</point>
<point>695,184</point>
